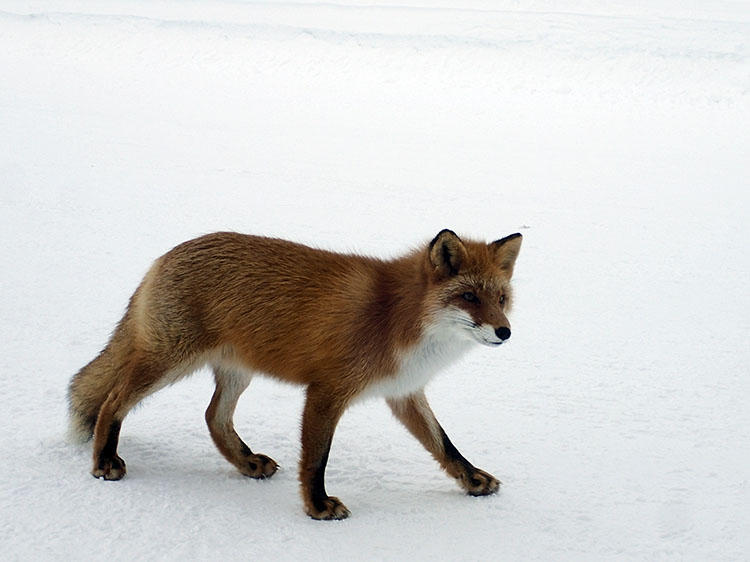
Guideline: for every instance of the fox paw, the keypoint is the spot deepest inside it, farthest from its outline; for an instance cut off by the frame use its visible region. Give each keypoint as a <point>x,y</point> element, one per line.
<point>479,483</point>
<point>258,466</point>
<point>330,508</point>
<point>109,468</point>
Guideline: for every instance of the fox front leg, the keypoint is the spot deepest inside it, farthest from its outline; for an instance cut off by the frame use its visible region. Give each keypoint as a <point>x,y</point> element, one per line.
<point>415,413</point>
<point>319,419</point>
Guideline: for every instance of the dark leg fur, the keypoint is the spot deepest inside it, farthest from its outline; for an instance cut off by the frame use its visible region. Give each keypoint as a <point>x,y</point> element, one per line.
<point>415,413</point>
<point>319,420</point>
<point>109,465</point>
<point>138,379</point>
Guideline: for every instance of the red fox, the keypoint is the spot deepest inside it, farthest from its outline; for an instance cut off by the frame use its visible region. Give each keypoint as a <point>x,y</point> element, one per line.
<point>345,326</point>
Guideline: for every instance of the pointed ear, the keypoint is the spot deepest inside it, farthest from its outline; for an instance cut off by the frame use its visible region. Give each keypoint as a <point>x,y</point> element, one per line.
<point>447,253</point>
<point>506,251</point>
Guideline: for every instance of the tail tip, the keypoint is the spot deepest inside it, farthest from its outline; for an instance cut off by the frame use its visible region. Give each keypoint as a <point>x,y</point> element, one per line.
<point>80,429</point>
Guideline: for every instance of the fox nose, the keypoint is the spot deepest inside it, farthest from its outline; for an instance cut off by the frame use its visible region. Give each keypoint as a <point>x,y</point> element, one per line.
<point>503,333</point>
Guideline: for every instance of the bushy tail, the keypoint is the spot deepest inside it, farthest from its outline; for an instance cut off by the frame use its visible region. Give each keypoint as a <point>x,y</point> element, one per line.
<point>87,392</point>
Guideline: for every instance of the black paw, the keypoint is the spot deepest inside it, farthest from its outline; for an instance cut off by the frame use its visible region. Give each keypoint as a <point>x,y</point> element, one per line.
<point>479,483</point>
<point>109,468</point>
<point>258,466</point>
<point>330,509</point>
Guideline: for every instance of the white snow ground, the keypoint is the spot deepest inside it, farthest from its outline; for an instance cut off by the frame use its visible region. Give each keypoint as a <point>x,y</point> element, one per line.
<point>614,135</point>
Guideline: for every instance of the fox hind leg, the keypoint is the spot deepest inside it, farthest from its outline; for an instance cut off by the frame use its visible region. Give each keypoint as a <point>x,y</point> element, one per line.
<point>139,378</point>
<point>219,417</point>
<point>107,463</point>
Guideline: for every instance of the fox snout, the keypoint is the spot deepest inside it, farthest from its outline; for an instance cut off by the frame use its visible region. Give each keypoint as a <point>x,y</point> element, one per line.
<point>502,333</point>
<point>486,333</point>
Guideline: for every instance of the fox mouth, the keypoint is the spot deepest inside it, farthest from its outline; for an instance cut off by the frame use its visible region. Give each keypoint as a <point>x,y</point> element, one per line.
<point>480,336</point>
<point>485,341</point>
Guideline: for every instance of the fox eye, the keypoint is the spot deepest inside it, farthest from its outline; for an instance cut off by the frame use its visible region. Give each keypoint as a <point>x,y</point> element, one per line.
<point>468,296</point>
<point>502,299</point>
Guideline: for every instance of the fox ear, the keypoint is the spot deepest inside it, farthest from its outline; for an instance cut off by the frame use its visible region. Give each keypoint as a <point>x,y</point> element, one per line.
<point>447,252</point>
<point>506,251</point>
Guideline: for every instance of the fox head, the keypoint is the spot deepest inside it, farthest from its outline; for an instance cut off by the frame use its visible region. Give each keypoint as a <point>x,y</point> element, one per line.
<point>470,284</point>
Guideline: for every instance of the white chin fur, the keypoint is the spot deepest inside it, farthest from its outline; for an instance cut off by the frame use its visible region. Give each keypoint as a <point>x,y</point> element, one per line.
<point>485,335</point>
<point>490,343</point>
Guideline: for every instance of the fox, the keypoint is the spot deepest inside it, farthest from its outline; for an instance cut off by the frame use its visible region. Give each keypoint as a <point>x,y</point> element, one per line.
<point>345,326</point>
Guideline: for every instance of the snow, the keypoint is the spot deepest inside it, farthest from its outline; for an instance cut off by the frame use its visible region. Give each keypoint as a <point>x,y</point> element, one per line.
<point>613,135</point>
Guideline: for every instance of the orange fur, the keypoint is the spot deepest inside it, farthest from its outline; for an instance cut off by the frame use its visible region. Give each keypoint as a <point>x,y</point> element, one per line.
<point>345,326</point>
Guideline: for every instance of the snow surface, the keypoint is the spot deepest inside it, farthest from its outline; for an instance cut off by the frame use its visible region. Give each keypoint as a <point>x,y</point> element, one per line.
<point>613,135</point>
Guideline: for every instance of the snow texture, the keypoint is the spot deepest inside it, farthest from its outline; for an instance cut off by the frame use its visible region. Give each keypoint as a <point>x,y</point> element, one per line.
<point>613,135</point>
